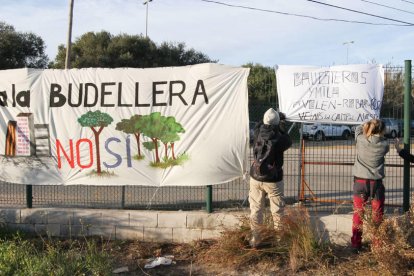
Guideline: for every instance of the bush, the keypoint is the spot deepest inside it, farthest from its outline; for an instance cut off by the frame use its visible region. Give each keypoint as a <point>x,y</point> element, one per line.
<point>296,244</point>
<point>392,241</point>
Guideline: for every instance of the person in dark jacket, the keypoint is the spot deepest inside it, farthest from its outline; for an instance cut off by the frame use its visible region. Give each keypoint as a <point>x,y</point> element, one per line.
<point>271,185</point>
<point>368,171</point>
<point>403,153</point>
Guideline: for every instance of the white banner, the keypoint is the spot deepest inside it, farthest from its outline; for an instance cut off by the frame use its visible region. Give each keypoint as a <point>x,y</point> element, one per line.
<point>183,126</point>
<point>347,94</point>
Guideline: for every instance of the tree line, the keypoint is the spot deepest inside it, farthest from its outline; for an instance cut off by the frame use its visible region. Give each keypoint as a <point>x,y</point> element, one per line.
<point>102,49</point>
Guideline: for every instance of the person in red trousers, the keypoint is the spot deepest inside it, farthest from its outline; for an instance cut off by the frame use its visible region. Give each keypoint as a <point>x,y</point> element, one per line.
<point>368,171</point>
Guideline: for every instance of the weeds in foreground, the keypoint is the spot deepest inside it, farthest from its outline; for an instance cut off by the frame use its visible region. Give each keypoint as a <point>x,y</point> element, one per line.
<point>27,257</point>
<point>296,244</point>
<point>392,241</point>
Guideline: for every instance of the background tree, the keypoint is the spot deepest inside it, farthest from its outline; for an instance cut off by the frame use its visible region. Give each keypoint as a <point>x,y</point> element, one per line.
<point>99,120</point>
<point>261,82</point>
<point>393,93</point>
<point>105,50</point>
<point>393,99</point>
<point>19,50</point>
<point>132,126</point>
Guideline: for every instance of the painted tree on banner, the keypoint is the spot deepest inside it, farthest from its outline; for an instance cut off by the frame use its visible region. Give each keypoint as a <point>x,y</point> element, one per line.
<point>153,128</point>
<point>171,135</point>
<point>161,129</point>
<point>97,121</point>
<point>133,125</point>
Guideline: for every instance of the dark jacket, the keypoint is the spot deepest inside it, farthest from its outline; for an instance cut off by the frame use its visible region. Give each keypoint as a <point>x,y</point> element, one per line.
<point>280,143</point>
<point>405,154</point>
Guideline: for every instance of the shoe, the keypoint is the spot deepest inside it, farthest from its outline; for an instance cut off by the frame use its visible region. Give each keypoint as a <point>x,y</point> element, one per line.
<point>357,250</point>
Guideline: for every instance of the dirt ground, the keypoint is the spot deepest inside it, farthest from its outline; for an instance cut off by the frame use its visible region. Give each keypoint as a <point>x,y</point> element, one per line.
<point>187,261</point>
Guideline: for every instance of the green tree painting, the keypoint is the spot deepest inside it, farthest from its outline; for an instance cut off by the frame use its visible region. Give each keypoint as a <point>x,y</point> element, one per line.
<point>97,121</point>
<point>153,128</point>
<point>133,126</point>
<point>171,135</point>
<point>165,130</point>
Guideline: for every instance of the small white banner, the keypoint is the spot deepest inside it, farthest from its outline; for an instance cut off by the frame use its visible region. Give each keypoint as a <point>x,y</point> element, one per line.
<point>347,94</point>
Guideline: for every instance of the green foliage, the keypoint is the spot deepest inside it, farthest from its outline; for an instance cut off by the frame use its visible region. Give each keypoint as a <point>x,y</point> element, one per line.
<point>261,82</point>
<point>92,120</point>
<point>18,50</point>
<point>134,126</point>
<point>130,126</point>
<point>170,130</point>
<point>153,125</point>
<point>149,145</point>
<point>102,49</point>
<point>95,119</point>
<point>25,257</point>
<point>160,128</point>
<point>169,162</point>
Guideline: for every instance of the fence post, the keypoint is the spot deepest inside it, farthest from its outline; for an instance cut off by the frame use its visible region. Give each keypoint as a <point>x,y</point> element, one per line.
<point>209,199</point>
<point>300,162</point>
<point>123,197</point>
<point>407,132</point>
<point>29,196</point>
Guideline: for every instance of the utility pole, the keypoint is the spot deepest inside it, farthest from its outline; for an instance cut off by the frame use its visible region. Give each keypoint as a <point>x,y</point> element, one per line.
<point>347,48</point>
<point>69,41</point>
<point>146,18</point>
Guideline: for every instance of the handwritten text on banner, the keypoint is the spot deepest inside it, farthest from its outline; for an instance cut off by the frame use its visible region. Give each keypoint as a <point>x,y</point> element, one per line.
<point>348,94</point>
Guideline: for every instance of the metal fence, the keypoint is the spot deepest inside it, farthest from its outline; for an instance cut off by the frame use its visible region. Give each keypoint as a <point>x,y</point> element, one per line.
<point>317,173</point>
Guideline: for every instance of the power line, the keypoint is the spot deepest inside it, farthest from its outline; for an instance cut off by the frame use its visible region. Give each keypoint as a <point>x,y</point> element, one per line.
<point>305,16</point>
<point>393,8</point>
<point>369,14</point>
<point>408,1</point>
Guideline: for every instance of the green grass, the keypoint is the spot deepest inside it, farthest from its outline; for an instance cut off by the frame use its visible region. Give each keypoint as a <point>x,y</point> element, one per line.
<point>94,173</point>
<point>138,157</point>
<point>169,162</point>
<point>21,256</point>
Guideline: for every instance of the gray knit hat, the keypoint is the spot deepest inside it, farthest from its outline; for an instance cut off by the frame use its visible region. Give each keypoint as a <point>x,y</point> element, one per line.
<point>271,117</point>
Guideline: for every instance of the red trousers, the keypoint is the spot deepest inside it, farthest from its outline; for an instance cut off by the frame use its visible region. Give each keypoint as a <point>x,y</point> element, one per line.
<point>365,189</point>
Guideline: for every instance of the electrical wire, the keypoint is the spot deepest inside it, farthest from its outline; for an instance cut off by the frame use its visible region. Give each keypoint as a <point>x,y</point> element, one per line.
<point>306,16</point>
<point>408,1</point>
<point>369,14</point>
<point>381,5</point>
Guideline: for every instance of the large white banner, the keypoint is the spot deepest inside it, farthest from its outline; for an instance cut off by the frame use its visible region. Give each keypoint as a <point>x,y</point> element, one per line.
<point>184,126</point>
<point>347,94</point>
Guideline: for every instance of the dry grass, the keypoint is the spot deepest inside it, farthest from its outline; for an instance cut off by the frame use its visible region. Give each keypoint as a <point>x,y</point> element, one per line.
<point>392,242</point>
<point>296,245</point>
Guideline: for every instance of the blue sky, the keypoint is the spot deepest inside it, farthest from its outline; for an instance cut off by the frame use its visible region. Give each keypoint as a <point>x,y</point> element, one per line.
<point>231,35</point>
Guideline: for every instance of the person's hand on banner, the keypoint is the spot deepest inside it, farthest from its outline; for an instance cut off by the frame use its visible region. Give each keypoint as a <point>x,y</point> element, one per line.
<point>398,145</point>
<point>282,116</point>
<point>282,122</point>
